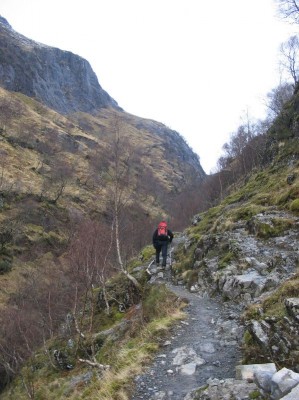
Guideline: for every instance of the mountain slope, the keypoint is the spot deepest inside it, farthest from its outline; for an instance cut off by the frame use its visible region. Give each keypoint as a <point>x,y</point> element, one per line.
<point>65,157</point>
<point>67,153</point>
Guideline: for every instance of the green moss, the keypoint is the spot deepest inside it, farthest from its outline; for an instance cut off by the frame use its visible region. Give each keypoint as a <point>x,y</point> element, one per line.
<point>255,394</point>
<point>275,228</point>
<point>147,253</point>
<point>226,260</point>
<point>206,223</point>
<point>294,206</point>
<point>247,338</point>
<point>184,259</point>
<point>274,304</point>
<point>252,312</point>
<point>247,212</point>
<point>105,321</point>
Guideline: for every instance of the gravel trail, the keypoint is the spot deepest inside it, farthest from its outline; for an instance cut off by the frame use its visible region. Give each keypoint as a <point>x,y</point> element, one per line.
<point>203,346</point>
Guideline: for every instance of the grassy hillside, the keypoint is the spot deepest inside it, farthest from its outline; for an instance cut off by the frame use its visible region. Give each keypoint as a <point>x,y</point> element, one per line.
<point>63,183</point>
<point>55,171</point>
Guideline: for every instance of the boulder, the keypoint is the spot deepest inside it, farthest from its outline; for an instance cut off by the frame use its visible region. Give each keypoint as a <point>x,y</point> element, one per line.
<point>248,372</point>
<point>187,360</point>
<point>283,382</point>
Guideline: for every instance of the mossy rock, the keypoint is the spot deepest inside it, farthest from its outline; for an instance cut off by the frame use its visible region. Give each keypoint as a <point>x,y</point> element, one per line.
<point>247,212</point>
<point>277,226</point>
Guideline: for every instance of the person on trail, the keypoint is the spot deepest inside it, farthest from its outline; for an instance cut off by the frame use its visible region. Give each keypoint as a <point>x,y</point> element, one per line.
<point>161,237</point>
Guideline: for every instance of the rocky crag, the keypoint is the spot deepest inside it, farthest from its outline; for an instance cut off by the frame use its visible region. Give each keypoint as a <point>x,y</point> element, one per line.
<point>59,79</point>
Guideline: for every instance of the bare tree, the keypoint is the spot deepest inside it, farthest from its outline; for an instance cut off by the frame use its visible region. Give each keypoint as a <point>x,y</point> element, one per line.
<point>121,188</point>
<point>55,184</point>
<point>277,98</point>
<point>289,58</point>
<point>90,258</point>
<point>289,9</point>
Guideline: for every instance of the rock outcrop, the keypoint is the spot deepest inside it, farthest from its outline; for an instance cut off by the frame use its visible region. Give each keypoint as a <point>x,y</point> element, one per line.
<point>256,381</point>
<point>60,79</point>
<point>246,265</point>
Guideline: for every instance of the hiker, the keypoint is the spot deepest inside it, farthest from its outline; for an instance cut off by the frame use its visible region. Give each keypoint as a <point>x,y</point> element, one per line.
<point>161,237</point>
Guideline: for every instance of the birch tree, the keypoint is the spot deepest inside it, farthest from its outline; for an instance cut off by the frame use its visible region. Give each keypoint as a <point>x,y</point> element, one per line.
<point>121,188</point>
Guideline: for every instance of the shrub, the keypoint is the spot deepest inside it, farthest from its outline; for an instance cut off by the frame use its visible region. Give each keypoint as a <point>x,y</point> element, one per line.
<point>5,266</point>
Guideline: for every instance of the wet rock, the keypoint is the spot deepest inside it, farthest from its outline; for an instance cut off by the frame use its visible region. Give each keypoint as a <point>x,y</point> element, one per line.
<point>188,369</point>
<point>187,360</point>
<point>260,332</point>
<point>229,389</point>
<point>207,348</point>
<point>248,372</point>
<point>159,396</point>
<point>263,376</point>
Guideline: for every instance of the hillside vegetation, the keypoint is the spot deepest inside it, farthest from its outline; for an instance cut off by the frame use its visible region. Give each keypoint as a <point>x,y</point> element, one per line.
<point>75,362</point>
<point>80,195</point>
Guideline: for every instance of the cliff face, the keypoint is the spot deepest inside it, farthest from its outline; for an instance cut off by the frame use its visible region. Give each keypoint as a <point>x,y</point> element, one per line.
<point>60,79</point>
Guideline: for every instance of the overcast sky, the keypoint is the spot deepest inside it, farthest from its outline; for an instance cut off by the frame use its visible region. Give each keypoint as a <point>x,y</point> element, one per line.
<point>195,65</point>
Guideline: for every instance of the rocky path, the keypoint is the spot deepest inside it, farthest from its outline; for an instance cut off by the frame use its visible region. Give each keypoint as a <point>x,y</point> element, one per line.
<point>201,347</point>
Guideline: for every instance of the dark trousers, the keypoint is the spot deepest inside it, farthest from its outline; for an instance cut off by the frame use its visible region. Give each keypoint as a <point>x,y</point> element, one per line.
<point>161,246</point>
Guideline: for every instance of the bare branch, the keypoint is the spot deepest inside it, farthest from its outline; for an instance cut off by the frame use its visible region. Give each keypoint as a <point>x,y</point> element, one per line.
<point>94,364</point>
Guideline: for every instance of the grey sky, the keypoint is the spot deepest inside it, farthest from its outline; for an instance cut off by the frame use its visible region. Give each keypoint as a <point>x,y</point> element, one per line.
<point>197,66</point>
